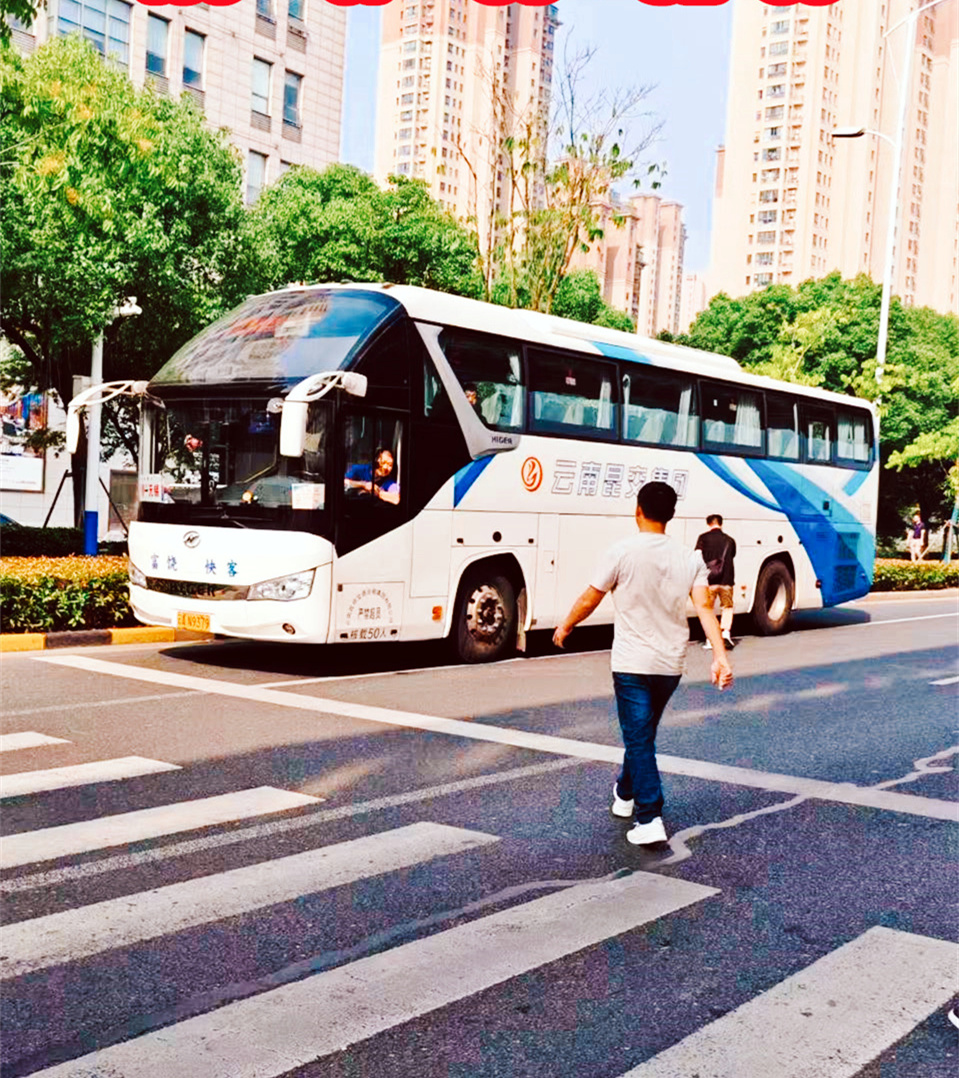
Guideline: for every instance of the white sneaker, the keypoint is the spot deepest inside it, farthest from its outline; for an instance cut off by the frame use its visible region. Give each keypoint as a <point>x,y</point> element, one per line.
<point>647,834</point>
<point>620,806</point>
<point>707,646</point>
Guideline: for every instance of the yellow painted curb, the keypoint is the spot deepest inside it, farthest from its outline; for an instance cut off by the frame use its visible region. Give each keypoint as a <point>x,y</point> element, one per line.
<point>148,634</point>
<point>23,641</point>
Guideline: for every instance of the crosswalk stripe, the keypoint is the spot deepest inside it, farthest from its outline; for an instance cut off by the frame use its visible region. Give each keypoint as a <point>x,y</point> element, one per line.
<point>58,778</point>
<point>118,830</point>
<point>28,739</point>
<point>827,1021</point>
<point>845,793</point>
<point>87,930</point>
<point>274,1032</point>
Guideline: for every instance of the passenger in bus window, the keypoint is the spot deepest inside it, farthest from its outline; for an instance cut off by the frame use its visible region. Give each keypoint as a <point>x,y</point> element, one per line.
<point>650,576</point>
<point>378,479</point>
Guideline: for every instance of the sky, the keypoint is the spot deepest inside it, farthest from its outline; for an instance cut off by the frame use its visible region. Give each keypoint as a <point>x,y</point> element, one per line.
<point>682,51</point>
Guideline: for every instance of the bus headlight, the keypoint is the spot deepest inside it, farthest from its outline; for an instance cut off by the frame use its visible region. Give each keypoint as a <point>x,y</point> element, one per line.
<point>284,588</point>
<point>137,579</point>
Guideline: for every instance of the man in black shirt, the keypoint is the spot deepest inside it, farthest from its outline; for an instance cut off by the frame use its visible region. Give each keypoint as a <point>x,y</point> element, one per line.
<point>719,550</point>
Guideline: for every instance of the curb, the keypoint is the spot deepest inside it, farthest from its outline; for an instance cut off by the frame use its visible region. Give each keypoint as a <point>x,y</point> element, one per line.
<point>925,593</point>
<point>89,637</point>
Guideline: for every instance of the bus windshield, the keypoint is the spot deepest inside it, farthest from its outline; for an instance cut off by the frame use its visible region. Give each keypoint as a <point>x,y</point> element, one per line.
<point>279,338</point>
<point>219,460</point>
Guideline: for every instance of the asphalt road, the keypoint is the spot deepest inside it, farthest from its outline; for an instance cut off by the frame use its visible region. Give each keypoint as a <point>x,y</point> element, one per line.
<point>262,860</point>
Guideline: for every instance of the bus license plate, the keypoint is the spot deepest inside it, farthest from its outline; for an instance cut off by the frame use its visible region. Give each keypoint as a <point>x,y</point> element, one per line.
<point>199,623</point>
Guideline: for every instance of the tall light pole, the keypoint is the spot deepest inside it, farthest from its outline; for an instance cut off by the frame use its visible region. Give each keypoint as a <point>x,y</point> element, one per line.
<point>91,495</point>
<point>910,21</point>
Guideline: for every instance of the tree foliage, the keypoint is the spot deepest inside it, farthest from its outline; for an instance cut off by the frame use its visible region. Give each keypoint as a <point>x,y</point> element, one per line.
<point>107,191</point>
<point>338,225</point>
<point>823,332</point>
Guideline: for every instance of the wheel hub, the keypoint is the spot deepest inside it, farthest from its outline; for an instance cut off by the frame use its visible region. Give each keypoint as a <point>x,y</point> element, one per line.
<point>485,614</point>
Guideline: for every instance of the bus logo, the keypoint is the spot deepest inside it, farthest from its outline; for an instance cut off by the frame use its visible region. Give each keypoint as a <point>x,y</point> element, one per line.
<point>532,474</point>
<point>191,539</point>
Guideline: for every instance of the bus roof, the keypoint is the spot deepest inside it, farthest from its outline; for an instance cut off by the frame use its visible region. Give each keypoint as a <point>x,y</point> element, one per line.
<point>425,305</point>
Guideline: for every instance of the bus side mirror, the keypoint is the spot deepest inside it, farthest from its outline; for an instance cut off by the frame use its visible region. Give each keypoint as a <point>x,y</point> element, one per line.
<point>293,428</point>
<point>73,430</point>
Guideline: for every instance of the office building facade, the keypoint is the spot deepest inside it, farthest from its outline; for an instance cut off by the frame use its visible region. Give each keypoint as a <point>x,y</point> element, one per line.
<point>442,65</point>
<point>793,202</point>
<point>270,71</point>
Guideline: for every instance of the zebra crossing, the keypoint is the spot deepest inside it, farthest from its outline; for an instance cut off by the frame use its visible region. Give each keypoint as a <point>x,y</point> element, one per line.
<point>830,1019</point>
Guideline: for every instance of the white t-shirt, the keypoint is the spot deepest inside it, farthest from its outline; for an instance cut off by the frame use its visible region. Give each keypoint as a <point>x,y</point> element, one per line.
<point>650,577</point>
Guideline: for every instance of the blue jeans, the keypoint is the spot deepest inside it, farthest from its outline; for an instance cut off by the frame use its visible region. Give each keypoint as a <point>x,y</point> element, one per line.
<point>640,701</point>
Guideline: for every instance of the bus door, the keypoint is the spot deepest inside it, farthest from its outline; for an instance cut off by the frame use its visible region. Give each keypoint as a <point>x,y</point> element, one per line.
<point>373,548</point>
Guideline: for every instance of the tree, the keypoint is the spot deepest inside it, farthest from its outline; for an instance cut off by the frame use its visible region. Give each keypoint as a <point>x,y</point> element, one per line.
<point>579,296</point>
<point>338,225</point>
<point>823,332</point>
<point>551,205</point>
<point>106,191</point>
<point>23,10</point>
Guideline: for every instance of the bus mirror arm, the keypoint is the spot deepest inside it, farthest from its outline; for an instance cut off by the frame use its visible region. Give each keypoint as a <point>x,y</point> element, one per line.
<point>94,397</point>
<point>296,406</point>
<point>480,440</point>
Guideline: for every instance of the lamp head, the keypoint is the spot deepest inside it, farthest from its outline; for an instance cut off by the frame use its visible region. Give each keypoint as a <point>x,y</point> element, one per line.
<point>128,308</point>
<point>847,132</point>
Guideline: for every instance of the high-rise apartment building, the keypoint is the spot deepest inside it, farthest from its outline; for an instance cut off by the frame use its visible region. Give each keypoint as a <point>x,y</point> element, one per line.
<point>271,71</point>
<point>791,201</point>
<point>443,64</point>
<point>639,260</point>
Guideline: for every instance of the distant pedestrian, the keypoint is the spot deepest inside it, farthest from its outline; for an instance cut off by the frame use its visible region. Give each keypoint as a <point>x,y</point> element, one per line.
<point>719,552</point>
<point>650,577</point>
<point>917,537</point>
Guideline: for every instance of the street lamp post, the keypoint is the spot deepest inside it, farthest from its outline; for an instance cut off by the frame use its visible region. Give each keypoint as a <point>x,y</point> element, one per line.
<point>91,495</point>
<point>911,20</point>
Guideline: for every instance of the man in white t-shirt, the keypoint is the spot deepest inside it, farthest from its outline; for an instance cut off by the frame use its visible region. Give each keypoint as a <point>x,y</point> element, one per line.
<point>650,576</point>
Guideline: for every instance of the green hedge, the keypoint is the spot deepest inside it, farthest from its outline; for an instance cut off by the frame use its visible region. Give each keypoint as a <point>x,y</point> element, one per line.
<point>19,541</point>
<point>893,575</point>
<point>43,595</point>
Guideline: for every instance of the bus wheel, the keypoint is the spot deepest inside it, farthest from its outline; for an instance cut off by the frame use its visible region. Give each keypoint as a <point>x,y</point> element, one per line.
<point>775,592</point>
<point>484,626</point>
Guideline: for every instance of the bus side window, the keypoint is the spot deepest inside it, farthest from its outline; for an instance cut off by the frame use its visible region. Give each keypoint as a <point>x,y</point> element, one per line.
<point>661,409</point>
<point>490,371</point>
<point>373,448</point>
<point>818,427</point>
<point>732,417</point>
<point>782,427</point>
<point>853,436</point>
<point>572,395</point>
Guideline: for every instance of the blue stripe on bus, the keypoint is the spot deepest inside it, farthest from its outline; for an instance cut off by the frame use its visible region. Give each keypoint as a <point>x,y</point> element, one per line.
<point>831,554</point>
<point>467,476</point>
<point>617,351</point>
<point>855,482</point>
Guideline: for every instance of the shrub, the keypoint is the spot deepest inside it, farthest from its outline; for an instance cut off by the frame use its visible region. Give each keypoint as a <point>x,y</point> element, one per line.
<point>892,575</point>
<point>19,541</point>
<point>42,595</point>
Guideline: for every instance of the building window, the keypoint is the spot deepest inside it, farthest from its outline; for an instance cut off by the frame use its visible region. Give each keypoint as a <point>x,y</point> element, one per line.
<point>157,32</point>
<point>291,98</point>
<point>781,26</point>
<point>779,48</point>
<point>261,86</point>
<point>193,59</point>
<point>265,8</point>
<point>763,279</point>
<point>255,175</point>
<point>297,9</point>
<point>773,133</point>
<point>108,31</point>
<point>766,237</point>
<point>769,196</point>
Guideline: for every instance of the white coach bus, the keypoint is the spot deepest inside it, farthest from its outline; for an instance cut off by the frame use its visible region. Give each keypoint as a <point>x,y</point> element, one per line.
<point>345,463</point>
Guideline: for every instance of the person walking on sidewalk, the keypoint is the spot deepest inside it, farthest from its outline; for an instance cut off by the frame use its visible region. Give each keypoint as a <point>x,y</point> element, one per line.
<point>650,577</point>
<point>719,551</point>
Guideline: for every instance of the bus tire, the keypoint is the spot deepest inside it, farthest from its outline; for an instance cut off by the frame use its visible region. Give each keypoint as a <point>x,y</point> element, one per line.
<point>485,619</point>
<point>775,594</point>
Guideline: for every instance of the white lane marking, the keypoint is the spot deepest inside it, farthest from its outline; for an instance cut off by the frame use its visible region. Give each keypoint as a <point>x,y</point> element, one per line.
<point>899,621</point>
<point>845,793</point>
<point>28,739</point>
<point>87,705</point>
<point>353,811</point>
<point>945,681</point>
<point>828,1020</point>
<point>73,838</point>
<point>275,1032</point>
<point>87,930</point>
<point>59,778</point>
